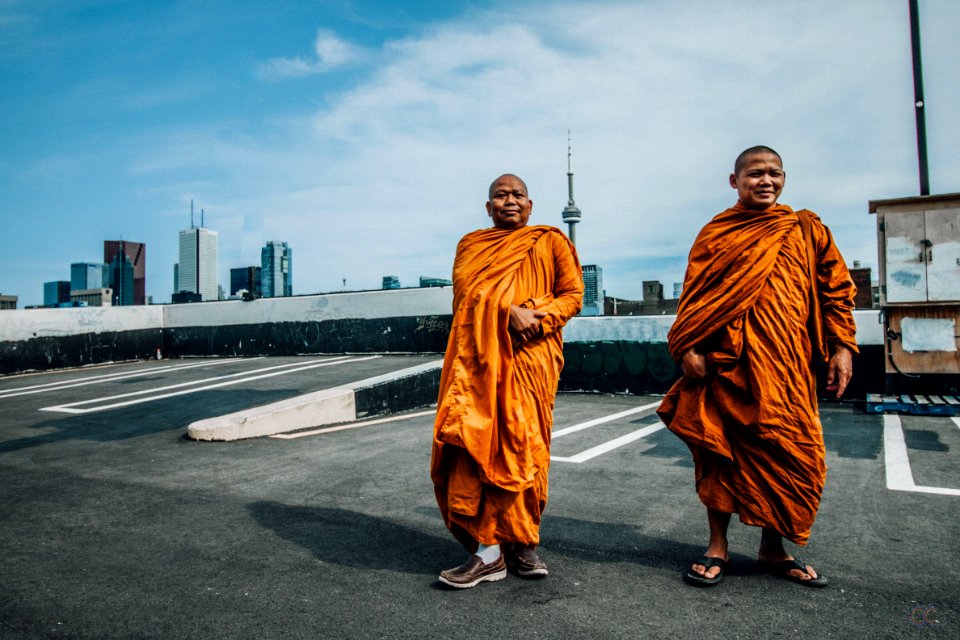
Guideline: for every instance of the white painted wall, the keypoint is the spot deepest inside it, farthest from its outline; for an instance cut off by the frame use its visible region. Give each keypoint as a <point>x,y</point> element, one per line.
<point>23,324</point>
<point>336,306</point>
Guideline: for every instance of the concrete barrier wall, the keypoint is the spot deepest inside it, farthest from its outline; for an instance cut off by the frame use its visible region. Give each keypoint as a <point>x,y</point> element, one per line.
<point>393,321</point>
<point>620,354</point>
<point>611,353</point>
<point>38,339</point>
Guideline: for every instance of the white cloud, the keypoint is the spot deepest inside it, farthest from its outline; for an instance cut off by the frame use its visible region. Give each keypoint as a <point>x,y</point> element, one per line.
<point>329,52</point>
<point>660,96</point>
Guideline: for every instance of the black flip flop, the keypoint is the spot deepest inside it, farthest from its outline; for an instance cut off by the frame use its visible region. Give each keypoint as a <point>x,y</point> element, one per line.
<point>782,570</point>
<point>700,581</point>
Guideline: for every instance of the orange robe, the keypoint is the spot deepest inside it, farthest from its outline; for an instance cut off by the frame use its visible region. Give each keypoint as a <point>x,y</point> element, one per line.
<point>752,425</point>
<point>491,447</point>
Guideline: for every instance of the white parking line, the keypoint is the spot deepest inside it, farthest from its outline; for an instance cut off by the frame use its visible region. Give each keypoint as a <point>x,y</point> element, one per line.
<point>111,377</point>
<point>351,425</point>
<point>606,447</point>
<point>956,421</point>
<point>899,474</point>
<point>247,377</point>
<point>604,419</point>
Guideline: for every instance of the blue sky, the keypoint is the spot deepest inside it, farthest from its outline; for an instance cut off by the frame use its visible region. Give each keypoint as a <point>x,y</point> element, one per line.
<point>365,133</point>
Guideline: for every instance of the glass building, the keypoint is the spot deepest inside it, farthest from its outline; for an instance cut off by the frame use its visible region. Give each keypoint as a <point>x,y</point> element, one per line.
<point>88,275</point>
<point>592,290</point>
<point>121,280</point>
<point>136,254</point>
<point>246,279</point>
<point>276,269</point>
<point>56,292</point>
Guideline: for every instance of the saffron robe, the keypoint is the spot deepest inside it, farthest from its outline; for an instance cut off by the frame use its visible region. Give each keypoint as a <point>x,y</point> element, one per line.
<point>752,425</point>
<point>491,447</point>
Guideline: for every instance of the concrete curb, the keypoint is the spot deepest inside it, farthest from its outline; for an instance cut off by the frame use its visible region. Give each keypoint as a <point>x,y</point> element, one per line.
<point>396,391</point>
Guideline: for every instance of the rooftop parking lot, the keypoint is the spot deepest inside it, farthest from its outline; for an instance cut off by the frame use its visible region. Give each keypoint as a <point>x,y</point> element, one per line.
<point>114,525</point>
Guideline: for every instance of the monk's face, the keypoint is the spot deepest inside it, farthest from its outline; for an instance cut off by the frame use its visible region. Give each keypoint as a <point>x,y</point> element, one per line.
<point>759,181</point>
<point>509,206</point>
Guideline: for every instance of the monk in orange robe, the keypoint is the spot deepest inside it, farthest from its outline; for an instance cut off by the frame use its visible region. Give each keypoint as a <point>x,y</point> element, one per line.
<point>766,294</point>
<point>514,287</point>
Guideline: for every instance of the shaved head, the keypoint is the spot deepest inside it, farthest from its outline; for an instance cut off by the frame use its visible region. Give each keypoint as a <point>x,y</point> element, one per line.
<point>506,175</point>
<point>742,158</point>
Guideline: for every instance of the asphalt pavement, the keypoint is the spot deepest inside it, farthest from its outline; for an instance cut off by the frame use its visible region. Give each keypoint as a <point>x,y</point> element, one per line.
<point>114,525</point>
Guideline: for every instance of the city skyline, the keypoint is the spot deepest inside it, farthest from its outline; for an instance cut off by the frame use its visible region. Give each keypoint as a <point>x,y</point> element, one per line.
<point>368,132</point>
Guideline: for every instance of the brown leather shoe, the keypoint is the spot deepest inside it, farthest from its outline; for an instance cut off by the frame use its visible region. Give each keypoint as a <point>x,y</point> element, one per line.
<point>525,561</point>
<point>473,572</point>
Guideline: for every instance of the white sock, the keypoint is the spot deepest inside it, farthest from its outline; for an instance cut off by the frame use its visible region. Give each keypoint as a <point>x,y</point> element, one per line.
<point>488,554</point>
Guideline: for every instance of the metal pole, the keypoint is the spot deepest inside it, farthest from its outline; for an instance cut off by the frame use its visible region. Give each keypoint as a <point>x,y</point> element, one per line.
<point>918,98</point>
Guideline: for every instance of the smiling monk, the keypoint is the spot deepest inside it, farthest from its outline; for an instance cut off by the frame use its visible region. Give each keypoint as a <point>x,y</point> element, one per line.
<point>765,296</point>
<point>514,287</point>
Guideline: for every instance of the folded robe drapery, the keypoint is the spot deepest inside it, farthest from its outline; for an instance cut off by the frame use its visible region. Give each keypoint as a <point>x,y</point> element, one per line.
<point>494,415</point>
<point>752,425</point>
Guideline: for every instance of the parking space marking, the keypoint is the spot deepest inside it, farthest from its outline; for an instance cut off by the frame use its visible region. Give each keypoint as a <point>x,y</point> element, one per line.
<point>351,425</point>
<point>606,447</point>
<point>237,378</point>
<point>604,419</point>
<point>897,461</point>
<point>111,377</point>
<point>956,421</point>
<point>610,445</point>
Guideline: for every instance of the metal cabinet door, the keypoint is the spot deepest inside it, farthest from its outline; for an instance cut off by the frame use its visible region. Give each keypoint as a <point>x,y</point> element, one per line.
<point>943,255</point>
<point>906,273</point>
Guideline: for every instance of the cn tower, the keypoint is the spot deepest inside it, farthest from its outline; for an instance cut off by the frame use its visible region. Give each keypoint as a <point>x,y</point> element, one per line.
<point>571,214</point>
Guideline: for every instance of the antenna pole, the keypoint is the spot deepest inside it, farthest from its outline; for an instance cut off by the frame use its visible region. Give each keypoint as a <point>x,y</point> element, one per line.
<point>918,98</point>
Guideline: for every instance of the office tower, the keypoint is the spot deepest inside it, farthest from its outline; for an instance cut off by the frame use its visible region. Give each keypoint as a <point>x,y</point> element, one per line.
<point>592,290</point>
<point>391,282</point>
<point>136,253</point>
<point>56,292</point>
<point>246,279</point>
<point>276,269</point>
<point>197,270</point>
<point>88,275</point>
<point>571,214</point>
<point>677,290</point>
<point>121,280</point>
<point>7,303</point>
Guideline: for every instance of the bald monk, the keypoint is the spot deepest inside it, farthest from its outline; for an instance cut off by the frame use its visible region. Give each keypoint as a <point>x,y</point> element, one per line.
<point>514,287</point>
<point>750,327</point>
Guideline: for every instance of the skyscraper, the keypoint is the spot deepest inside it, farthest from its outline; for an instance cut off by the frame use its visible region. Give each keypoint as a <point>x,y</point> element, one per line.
<point>121,280</point>
<point>88,275</point>
<point>136,253</point>
<point>592,290</point>
<point>276,269</point>
<point>247,279</point>
<point>55,293</point>
<point>197,268</point>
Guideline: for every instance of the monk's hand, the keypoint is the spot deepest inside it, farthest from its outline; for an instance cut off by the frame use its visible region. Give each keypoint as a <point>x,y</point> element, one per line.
<point>525,323</point>
<point>694,365</point>
<point>839,370</point>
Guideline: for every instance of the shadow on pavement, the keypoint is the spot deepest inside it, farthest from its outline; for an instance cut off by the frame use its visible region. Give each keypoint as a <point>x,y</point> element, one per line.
<point>356,539</point>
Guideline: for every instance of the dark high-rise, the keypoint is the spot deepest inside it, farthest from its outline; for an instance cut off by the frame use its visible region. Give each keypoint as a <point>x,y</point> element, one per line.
<point>247,279</point>
<point>136,254</point>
